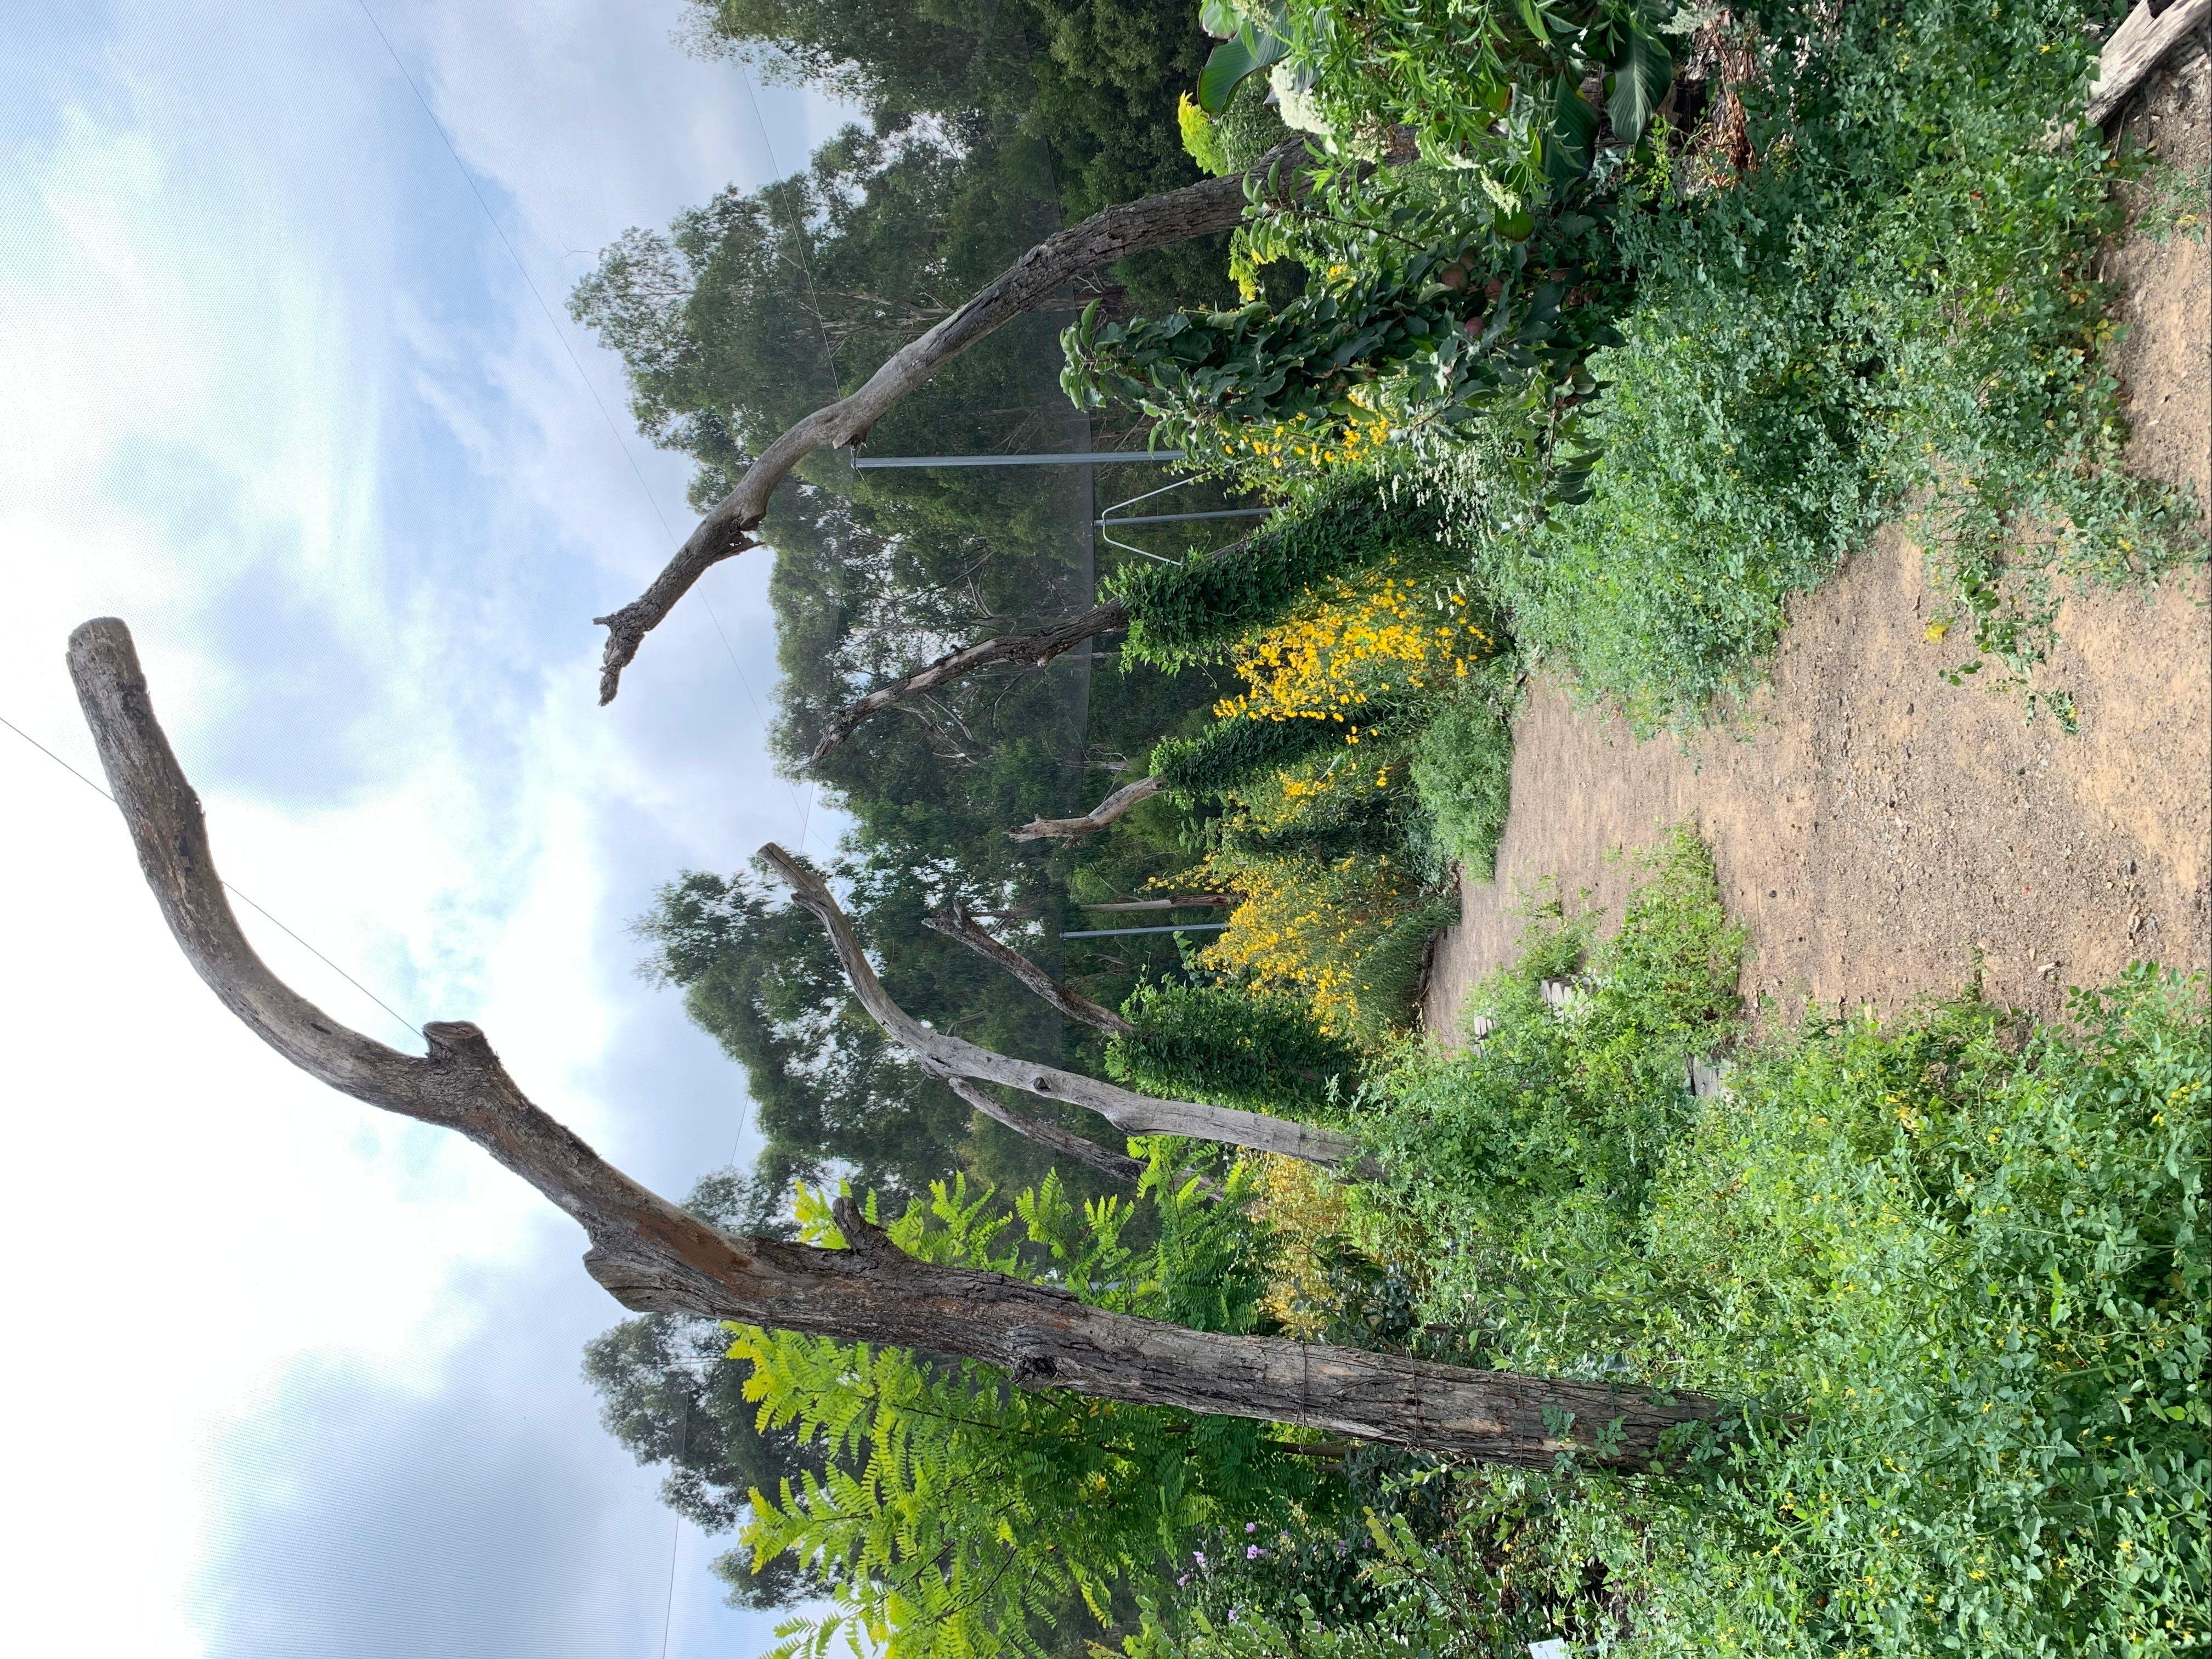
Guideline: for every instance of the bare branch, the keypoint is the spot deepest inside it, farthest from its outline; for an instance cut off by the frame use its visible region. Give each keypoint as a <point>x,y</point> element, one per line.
<point>653,1257</point>
<point>954,923</point>
<point>1119,1166</point>
<point>1118,233</point>
<point>1107,811</point>
<point>2143,40</point>
<point>1033,650</point>
<point>944,1056</point>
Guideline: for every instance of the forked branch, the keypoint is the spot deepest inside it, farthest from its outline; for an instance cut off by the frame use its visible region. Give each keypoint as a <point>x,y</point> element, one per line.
<point>653,1257</point>
<point>1066,1143</point>
<point>1119,233</point>
<point>1031,650</point>
<point>942,1054</point>
<point>954,923</point>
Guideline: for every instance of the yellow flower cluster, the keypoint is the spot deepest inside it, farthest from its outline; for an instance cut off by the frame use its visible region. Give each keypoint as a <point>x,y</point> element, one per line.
<point>1357,645</point>
<point>1305,1211</point>
<point>1304,926</point>
<point>1311,442</point>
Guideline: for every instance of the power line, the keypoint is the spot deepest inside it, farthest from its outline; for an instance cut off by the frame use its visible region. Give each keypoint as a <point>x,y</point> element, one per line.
<point>828,351</point>
<point>576,362</point>
<point>675,1538</point>
<point>273,920</point>
<point>470,180</point>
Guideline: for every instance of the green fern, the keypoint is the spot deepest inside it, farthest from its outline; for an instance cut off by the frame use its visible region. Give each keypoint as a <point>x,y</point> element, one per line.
<point>960,1516</point>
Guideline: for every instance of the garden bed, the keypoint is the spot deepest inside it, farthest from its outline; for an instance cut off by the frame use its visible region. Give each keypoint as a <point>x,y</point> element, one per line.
<point>1879,830</point>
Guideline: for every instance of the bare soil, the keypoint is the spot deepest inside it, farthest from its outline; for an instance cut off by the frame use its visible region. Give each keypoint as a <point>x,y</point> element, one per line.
<point>1882,835</point>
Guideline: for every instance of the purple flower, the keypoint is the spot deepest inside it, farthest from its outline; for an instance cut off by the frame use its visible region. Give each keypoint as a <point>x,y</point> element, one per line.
<point>1252,1552</point>
<point>1185,1579</point>
<point>1251,1526</point>
<point>1198,1555</point>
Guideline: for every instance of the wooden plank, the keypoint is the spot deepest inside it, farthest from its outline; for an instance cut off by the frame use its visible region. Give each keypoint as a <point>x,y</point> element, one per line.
<point>2138,46</point>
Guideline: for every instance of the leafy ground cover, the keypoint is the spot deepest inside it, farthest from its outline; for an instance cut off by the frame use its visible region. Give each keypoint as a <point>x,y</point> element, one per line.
<point>1950,1271</point>
<point>1953,1268</point>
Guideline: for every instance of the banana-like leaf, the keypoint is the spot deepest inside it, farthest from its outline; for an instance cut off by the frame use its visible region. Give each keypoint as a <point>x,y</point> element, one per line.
<point>1570,134</point>
<point>1246,52</point>
<point>1640,75</point>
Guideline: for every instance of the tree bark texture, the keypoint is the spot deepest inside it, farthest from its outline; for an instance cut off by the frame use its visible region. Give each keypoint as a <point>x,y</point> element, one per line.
<point>653,1257</point>
<point>1098,817</point>
<point>1118,233</point>
<point>2139,45</point>
<point>1033,650</point>
<point>942,1055</point>
<point>956,923</point>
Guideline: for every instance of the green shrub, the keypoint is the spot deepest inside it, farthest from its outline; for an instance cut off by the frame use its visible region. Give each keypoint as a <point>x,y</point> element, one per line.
<point>1559,1121</point>
<point>958,1516</point>
<point>1245,747</point>
<point>1249,127</point>
<point>1236,139</point>
<point>1895,306</point>
<point>1729,476</point>
<point>1472,324</point>
<point>1226,1045</point>
<point>1952,1269</point>
<point>1462,770</point>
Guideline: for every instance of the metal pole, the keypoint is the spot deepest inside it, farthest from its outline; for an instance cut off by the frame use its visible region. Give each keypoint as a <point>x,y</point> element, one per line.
<point>1123,932</point>
<point>1188,517</point>
<point>1074,458</point>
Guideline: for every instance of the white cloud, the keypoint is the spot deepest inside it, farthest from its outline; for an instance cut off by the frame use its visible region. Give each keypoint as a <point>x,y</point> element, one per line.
<point>276,397</point>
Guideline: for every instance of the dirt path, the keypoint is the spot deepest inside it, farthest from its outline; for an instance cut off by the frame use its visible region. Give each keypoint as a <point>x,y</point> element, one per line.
<point>1877,829</point>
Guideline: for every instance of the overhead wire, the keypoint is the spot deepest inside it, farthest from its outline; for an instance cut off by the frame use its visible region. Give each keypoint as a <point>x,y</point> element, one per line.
<point>576,362</point>
<point>274,920</point>
<point>814,308</point>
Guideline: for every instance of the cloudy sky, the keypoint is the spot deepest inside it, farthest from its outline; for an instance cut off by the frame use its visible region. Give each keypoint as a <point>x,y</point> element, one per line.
<point>286,1377</point>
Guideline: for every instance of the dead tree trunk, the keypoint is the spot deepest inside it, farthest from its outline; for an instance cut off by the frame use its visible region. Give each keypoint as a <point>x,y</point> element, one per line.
<point>942,1055</point>
<point>954,923</point>
<point>653,1257</point>
<point>1032,650</point>
<point>1063,1143</point>
<point>1108,812</point>
<point>1119,233</point>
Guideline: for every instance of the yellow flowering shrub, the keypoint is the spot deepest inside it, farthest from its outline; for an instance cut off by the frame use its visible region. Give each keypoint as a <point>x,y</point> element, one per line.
<point>1306,1212</point>
<point>1307,442</point>
<point>1336,932</point>
<point>1342,931</point>
<point>1381,637</point>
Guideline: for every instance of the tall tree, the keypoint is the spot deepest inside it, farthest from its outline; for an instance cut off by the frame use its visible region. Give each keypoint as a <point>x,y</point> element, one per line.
<point>656,1258</point>
<point>1096,81</point>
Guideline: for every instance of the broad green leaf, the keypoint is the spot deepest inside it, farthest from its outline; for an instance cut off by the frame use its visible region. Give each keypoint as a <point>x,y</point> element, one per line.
<point>1569,133</point>
<point>1226,67</point>
<point>1245,53</point>
<point>1640,75</point>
